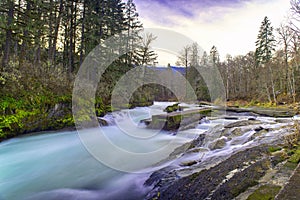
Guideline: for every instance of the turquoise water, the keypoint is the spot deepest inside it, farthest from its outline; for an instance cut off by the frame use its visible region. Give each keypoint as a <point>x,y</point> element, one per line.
<point>46,162</point>
<point>58,166</point>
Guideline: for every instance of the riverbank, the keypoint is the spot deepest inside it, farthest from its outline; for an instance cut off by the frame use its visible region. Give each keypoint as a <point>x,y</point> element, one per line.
<point>45,113</point>
<point>262,157</point>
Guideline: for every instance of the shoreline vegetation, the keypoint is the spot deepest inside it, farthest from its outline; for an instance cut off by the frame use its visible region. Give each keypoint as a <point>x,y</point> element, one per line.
<point>56,114</point>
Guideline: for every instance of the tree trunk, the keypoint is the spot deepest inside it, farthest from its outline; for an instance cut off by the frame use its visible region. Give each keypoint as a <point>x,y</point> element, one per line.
<point>55,35</point>
<point>8,41</point>
<point>82,33</point>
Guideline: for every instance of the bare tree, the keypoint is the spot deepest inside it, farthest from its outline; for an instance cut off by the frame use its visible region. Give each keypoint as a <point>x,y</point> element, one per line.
<point>285,38</point>
<point>295,8</point>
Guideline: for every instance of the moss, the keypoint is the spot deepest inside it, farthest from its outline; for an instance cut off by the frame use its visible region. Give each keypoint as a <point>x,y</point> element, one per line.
<point>236,190</point>
<point>173,122</point>
<point>295,158</point>
<point>289,166</point>
<point>35,112</point>
<point>172,108</point>
<point>205,112</point>
<point>265,192</point>
<point>274,149</point>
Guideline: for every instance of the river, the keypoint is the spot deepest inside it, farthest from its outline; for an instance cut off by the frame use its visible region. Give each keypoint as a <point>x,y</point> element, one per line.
<point>56,165</point>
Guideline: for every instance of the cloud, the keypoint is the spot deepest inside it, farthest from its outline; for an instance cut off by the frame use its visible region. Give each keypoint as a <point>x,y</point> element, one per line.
<point>231,25</point>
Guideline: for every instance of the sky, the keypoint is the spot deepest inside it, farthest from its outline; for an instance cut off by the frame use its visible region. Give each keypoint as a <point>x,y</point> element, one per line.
<point>231,25</point>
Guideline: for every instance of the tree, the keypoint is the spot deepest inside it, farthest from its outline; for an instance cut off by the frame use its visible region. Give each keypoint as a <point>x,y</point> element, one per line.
<point>144,54</point>
<point>194,56</point>
<point>285,38</point>
<point>265,44</point>
<point>204,59</point>
<point>8,34</point>
<point>214,55</point>
<point>295,8</point>
<point>132,26</point>
<point>184,57</point>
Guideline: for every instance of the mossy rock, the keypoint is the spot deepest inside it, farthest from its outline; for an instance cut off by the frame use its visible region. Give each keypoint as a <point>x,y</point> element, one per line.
<point>295,158</point>
<point>172,108</point>
<point>265,192</point>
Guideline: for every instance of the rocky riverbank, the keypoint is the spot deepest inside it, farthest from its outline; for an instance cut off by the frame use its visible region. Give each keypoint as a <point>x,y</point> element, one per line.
<point>243,159</point>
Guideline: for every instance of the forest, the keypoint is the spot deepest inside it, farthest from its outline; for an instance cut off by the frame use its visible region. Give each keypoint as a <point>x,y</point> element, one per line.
<point>44,42</point>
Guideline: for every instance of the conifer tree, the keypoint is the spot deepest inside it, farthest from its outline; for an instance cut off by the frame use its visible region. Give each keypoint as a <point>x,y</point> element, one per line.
<point>265,44</point>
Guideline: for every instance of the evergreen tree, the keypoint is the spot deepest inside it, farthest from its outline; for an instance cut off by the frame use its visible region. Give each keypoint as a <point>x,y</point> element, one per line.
<point>133,27</point>
<point>265,44</point>
<point>194,57</point>
<point>204,59</point>
<point>144,54</point>
<point>214,55</point>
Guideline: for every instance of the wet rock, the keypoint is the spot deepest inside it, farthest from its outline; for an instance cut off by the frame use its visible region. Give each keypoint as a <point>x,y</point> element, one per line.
<point>259,133</point>
<point>243,123</point>
<point>283,120</point>
<point>198,142</point>
<point>251,118</point>
<point>233,132</point>
<point>231,118</point>
<point>102,122</point>
<point>258,129</point>
<point>218,144</point>
<point>158,175</point>
<point>210,183</point>
<point>188,163</point>
<point>197,150</point>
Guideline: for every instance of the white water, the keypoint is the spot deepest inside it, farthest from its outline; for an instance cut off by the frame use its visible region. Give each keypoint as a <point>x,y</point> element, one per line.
<point>57,165</point>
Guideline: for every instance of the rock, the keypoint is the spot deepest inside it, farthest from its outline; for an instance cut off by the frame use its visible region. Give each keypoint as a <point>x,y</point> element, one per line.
<point>102,122</point>
<point>236,132</point>
<point>158,175</point>
<point>209,183</point>
<point>172,108</point>
<point>243,123</point>
<point>251,118</point>
<point>231,118</point>
<point>258,129</point>
<point>278,157</point>
<point>218,144</point>
<point>188,163</point>
<point>283,120</point>
<point>259,132</point>
<point>197,150</point>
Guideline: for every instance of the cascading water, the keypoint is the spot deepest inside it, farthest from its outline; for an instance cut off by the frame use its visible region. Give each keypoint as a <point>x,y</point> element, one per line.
<point>57,165</point>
